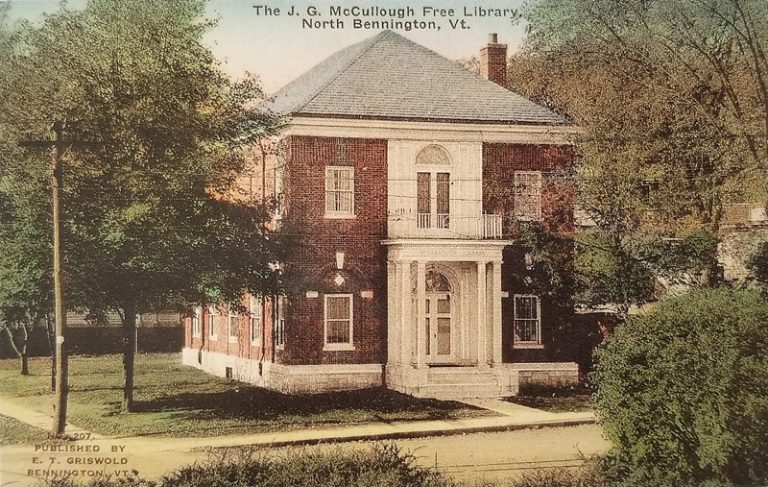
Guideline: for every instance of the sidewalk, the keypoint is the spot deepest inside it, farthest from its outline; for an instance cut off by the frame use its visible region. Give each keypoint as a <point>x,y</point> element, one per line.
<point>155,456</point>
<point>513,417</point>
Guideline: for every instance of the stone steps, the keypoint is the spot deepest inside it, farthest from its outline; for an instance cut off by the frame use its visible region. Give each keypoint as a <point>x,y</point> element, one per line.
<point>460,390</point>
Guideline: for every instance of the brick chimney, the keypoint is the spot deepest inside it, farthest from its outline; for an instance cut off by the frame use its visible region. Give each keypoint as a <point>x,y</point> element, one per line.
<point>493,61</point>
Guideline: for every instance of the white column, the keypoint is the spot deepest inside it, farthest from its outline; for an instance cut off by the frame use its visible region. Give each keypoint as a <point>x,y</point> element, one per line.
<point>421,337</point>
<point>496,312</point>
<point>404,295</point>
<point>394,330</point>
<point>482,354</point>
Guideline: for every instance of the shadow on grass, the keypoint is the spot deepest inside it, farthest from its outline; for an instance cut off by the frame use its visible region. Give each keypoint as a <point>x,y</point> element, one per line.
<point>255,403</point>
<point>555,399</point>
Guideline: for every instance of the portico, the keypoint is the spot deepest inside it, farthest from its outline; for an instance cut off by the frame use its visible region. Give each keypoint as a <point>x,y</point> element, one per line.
<point>444,317</point>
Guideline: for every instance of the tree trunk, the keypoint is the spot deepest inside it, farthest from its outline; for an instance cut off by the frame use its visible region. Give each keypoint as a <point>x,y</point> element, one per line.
<point>24,351</point>
<point>12,343</point>
<point>129,357</point>
<point>52,345</point>
<point>24,362</point>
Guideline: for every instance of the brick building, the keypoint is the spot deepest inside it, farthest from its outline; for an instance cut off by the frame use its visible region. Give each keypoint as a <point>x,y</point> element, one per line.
<point>402,175</point>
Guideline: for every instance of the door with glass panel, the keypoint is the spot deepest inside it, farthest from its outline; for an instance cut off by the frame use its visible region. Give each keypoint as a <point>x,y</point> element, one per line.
<point>438,327</point>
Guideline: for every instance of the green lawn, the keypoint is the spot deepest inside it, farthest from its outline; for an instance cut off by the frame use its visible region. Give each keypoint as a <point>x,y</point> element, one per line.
<point>555,399</point>
<point>174,400</point>
<point>14,432</point>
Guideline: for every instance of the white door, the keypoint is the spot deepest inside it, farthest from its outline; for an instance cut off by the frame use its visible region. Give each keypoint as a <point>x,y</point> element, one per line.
<point>438,326</point>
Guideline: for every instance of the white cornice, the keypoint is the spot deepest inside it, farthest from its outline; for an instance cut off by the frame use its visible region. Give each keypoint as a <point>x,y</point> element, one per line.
<point>410,250</point>
<point>435,131</point>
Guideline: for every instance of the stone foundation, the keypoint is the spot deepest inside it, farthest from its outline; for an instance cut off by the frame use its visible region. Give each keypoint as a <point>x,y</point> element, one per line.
<point>290,379</point>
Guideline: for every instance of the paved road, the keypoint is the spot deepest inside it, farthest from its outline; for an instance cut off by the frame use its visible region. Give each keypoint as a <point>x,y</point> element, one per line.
<point>473,457</point>
<point>496,456</point>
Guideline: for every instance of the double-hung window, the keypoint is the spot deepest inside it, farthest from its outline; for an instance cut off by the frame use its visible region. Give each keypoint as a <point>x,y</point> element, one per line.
<point>433,212</point>
<point>197,327</point>
<point>339,191</point>
<point>279,325</point>
<point>527,322</point>
<point>338,322</point>
<point>527,193</point>
<point>232,325</point>
<point>255,309</point>
<point>213,314</point>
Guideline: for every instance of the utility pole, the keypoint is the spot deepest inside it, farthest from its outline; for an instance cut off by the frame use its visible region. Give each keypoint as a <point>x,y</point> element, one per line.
<point>62,361</point>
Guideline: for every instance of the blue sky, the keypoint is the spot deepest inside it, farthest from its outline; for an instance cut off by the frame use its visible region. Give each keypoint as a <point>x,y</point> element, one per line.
<point>278,48</point>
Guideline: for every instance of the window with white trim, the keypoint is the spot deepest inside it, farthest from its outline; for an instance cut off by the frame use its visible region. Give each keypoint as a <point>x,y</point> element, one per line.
<point>433,211</point>
<point>339,191</point>
<point>197,328</point>
<point>338,322</point>
<point>255,310</point>
<point>213,314</point>
<point>279,325</point>
<point>527,194</point>
<point>232,325</point>
<point>527,322</point>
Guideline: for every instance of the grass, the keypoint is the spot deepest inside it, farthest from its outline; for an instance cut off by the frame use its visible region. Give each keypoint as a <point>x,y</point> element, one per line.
<point>555,399</point>
<point>177,401</point>
<point>14,432</point>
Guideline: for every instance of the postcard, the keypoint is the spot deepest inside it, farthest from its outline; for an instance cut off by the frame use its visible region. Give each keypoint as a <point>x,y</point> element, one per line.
<point>292,231</point>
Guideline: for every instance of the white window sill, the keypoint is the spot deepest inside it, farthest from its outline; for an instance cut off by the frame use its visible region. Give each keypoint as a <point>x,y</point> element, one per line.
<point>256,343</point>
<point>340,216</point>
<point>232,340</point>
<point>528,346</point>
<point>195,336</point>
<point>279,347</point>
<point>338,347</point>
<point>213,338</point>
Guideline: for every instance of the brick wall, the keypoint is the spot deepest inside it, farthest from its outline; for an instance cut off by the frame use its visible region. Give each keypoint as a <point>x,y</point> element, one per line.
<point>243,347</point>
<point>311,265</point>
<point>500,161</point>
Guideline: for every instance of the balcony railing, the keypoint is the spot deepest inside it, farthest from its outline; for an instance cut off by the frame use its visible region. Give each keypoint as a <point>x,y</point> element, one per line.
<point>403,224</point>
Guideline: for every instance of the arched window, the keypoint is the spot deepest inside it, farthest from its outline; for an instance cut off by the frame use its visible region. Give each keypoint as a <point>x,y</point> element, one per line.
<point>434,282</point>
<point>433,154</point>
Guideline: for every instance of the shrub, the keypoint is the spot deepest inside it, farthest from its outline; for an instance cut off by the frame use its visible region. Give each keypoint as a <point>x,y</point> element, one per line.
<point>380,466</point>
<point>683,392</point>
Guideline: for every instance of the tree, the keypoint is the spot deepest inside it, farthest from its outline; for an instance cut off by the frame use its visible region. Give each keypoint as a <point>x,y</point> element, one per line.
<point>25,291</point>
<point>672,99</point>
<point>681,391</point>
<point>25,253</point>
<point>154,133</point>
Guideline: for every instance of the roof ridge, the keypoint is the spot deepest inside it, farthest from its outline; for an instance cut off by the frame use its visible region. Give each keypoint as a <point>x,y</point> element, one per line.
<point>372,42</point>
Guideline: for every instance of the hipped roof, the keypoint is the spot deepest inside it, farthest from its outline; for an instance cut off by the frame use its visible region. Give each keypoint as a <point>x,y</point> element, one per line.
<point>389,77</point>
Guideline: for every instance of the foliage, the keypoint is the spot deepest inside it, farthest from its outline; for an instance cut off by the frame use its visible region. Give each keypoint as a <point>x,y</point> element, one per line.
<point>154,137</point>
<point>25,266</point>
<point>673,105</point>
<point>673,98</point>
<point>383,465</point>
<point>587,476</point>
<point>555,399</point>
<point>758,264</point>
<point>682,392</point>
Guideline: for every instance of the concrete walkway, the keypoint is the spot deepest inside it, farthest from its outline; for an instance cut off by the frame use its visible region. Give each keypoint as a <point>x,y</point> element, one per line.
<point>513,417</point>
